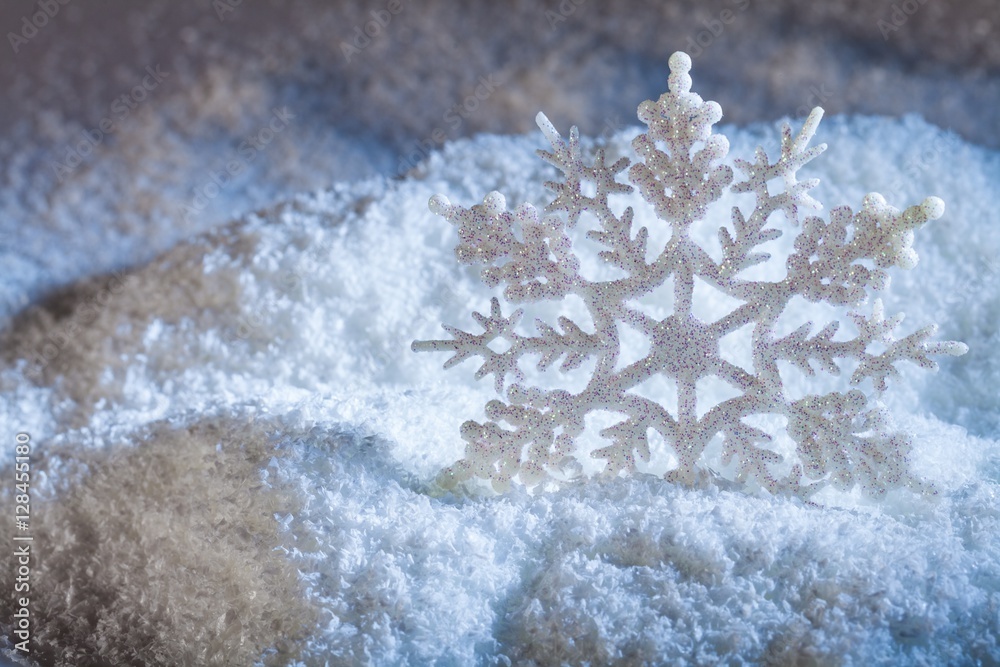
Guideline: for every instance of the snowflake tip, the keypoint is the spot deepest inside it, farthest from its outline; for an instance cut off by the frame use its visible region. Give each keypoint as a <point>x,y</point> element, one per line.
<point>439,205</point>
<point>907,258</point>
<point>679,80</point>
<point>932,207</point>
<point>679,62</point>
<point>494,203</point>
<point>527,214</point>
<point>873,200</point>
<point>531,473</point>
<point>809,129</point>
<point>453,475</point>
<point>472,431</point>
<point>952,348</point>
<point>547,128</point>
<point>501,483</point>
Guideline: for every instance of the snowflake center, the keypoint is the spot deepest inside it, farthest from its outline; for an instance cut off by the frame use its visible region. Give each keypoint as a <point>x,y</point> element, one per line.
<point>685,347</point>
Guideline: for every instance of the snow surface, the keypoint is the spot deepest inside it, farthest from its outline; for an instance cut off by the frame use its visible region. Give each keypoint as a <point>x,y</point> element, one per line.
<point>301,317</point>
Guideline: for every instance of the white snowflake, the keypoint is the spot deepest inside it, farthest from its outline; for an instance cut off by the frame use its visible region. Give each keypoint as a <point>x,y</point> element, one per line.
<point>841,438</point>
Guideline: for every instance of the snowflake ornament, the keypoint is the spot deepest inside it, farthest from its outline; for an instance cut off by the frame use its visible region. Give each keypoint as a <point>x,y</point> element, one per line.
<point>843,439</point>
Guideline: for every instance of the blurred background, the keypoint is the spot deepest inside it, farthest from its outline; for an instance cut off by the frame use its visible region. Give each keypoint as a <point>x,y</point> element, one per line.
<point>128,126</point>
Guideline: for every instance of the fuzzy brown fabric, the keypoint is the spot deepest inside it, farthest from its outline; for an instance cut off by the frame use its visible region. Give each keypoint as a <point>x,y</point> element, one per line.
<point>165,551</point>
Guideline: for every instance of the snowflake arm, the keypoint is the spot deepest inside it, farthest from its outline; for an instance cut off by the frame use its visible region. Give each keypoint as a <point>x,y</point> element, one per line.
<point>795,153</point>
<point>573,342</point>
<point>542,266</point>
<point>567,157</point>
<point>680,182</point>
<point>752,461</point>
<point>914,348</point>
<point>738,252</point>
<point>843,443</point>
<point>465,345</point>
<point>827,265</point>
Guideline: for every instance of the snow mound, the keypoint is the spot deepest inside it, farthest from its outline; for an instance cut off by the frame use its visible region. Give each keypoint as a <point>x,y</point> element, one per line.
<point>296,322</point>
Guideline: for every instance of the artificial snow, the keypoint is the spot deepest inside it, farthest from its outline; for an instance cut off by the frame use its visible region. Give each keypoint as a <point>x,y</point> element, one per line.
<point>299,319</point>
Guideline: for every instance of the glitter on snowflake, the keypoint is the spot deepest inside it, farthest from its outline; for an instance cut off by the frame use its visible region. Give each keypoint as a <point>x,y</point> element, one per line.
<point>843,439</point>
